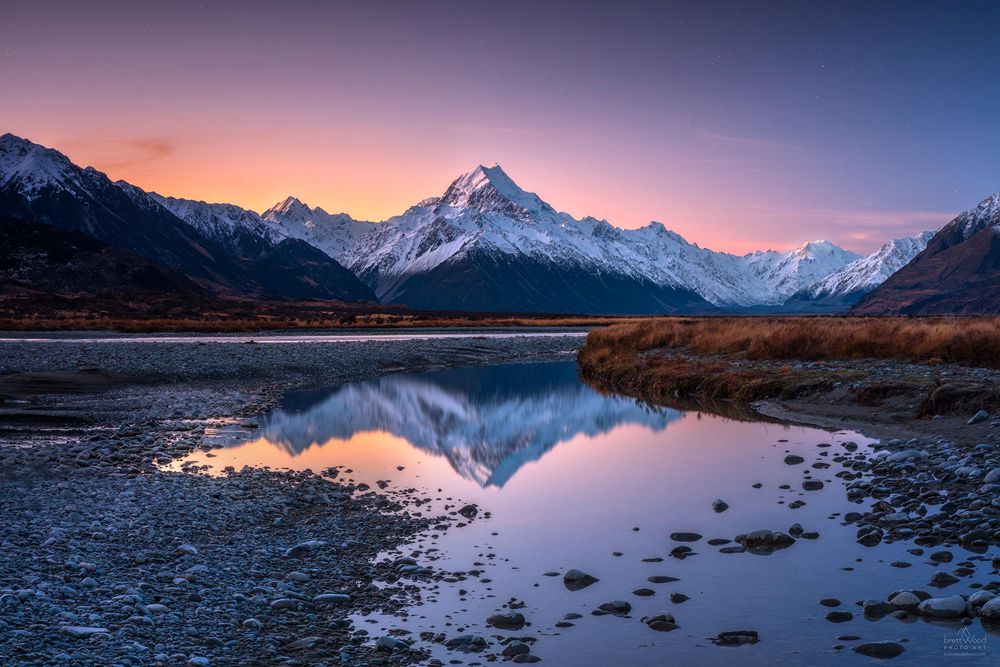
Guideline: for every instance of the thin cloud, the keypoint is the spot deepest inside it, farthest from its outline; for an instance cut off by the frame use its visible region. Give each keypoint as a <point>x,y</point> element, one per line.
<point>124,155</point>
<point>756,144</point>
<point>873,220</point>
<point>859,230</point>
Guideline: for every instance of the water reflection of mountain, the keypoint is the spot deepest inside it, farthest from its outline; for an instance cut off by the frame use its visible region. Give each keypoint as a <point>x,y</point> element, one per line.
<point>488,422</point>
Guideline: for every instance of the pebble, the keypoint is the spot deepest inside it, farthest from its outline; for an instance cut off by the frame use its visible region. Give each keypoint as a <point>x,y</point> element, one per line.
<point>882,649</point>
<point>576,580</point>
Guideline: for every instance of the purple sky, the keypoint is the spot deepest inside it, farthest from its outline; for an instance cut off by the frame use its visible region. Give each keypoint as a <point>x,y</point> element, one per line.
<point>738,126</point>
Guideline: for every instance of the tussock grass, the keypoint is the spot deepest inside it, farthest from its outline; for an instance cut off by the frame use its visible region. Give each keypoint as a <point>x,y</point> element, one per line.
<point>972,341</point>
<point>712,359</point>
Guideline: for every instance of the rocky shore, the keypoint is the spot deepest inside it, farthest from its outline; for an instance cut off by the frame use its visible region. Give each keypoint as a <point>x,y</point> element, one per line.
<point>105,558</point>
<point>933,481</point>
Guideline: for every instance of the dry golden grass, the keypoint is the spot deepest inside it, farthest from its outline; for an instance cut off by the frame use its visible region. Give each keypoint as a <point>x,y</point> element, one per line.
<point>700,358</point>
<point>21,311</point>
<point>221,323</point>
<point>973,341</point>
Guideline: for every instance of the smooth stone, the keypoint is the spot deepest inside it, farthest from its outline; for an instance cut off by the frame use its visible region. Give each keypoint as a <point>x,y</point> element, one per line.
<point>883,650</point>
<point>905,600</point>
<point>515,648</point>
<point>467,643</point>
<point>991,610</point>
<point>511,620</point>
<point>660,622</point>
<point>616,607</point>
<point>303,643</point>
<point>685,537</point>
<point>942,579</point>
<point>980,416</point>
<point>576,580</point>
<point>736,637</point>
<point>304,548</point>
<point>953,606</point>
<point>390,644</point>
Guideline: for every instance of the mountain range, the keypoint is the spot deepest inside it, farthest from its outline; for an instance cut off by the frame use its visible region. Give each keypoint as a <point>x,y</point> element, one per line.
<point>485,244</point>
<point>39,184</point>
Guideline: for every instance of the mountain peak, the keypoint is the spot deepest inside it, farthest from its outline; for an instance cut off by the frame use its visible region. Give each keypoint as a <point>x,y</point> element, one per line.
<point>292,208</point>
<point>490,189</point>
<point>818,243</point>
<point>975,220</point>
<point>32,166</point>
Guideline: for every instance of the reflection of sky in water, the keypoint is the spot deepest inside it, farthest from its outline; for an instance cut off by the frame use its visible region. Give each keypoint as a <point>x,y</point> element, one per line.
<point>567,474</point>
<point>488,422</point>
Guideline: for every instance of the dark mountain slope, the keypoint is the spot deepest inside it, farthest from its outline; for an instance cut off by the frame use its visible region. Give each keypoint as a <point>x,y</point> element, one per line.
<point>42,185</point>
<point>56,261</point>
<point>958,272</point>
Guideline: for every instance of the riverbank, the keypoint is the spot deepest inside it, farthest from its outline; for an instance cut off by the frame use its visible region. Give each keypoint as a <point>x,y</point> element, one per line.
<point>938,462</point>
<point>108,559</point>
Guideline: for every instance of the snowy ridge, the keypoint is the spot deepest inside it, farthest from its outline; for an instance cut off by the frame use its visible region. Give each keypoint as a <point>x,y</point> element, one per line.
<point>221,222</point>
<point>485,438</point>
<point>486,211</point>
<point>27,168</point>
<point>973,221</point>
<point>865,274</point>
<point>332,233</point>
<point>785,274</point>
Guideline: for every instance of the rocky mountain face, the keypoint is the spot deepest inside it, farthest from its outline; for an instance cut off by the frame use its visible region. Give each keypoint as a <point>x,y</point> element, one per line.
<point>842,289</point>
<point>39,184</point>
<point>957,273</point>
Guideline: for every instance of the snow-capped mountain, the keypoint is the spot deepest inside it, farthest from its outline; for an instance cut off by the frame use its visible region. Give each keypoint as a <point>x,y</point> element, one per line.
<point>39,184</point>
<point>332,233</point>
<point>488,422</point>
<point>484,219</point>
<point>222,222</point>
<point>865,274</point>
<point>485,244</point>
<point>957,273</point>
<point>787,273</point>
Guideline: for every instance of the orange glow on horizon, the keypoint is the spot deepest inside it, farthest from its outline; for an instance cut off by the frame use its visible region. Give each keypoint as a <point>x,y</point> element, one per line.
<point>373,175</point>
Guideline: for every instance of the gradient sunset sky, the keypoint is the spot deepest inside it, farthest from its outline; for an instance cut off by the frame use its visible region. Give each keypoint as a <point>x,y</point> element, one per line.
<point>740,125</point>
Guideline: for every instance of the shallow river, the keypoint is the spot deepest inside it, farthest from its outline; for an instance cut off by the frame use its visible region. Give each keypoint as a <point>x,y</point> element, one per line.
<point>572,478</point>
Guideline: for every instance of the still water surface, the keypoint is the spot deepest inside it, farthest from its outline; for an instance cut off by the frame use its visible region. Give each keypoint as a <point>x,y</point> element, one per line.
<point>569,475</point>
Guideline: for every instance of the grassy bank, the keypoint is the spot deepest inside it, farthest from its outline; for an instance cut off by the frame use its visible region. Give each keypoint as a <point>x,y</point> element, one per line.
<point>752,358</point>
<point>31,312</point>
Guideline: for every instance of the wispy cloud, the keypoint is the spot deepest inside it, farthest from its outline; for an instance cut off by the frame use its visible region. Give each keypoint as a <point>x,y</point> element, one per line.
<point>743,143</point>
<point>857,229</point>
<point>125,156</point>
<point>858,218</point>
